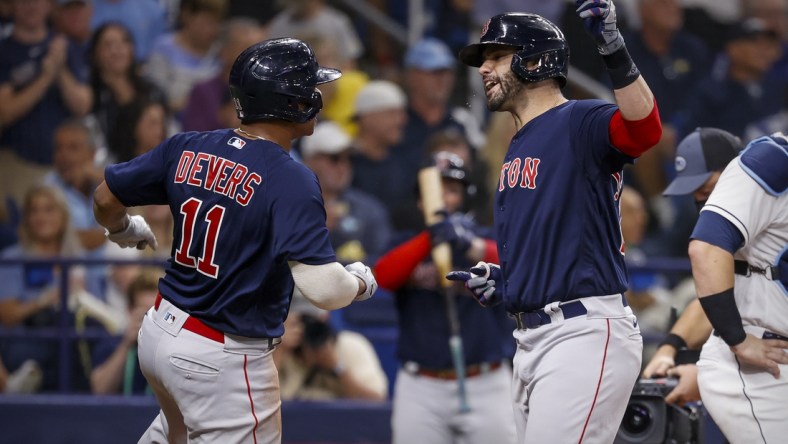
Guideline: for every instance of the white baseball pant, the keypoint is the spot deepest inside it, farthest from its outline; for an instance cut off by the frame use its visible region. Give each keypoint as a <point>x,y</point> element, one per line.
<point>573,378</point>
<point>208,392</point>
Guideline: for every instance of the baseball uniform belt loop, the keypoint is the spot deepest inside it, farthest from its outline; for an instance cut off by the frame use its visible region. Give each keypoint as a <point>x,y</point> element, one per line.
<point>766,335</point>
<point>746,269</point>
<point>449,374</point>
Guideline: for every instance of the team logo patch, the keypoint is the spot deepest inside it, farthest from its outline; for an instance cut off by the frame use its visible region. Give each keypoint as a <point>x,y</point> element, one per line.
<point>485,27</point>
<point>236,142</point>
<point>681,164</point>
<point>169,318</point>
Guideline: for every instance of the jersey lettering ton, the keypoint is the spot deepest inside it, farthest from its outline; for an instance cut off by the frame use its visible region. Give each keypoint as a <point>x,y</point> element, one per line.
<point>557,209</point>
<point>242,210</point>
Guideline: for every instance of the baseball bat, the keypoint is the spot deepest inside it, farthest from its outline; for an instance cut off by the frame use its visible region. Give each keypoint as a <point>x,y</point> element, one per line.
<point>431,190</point>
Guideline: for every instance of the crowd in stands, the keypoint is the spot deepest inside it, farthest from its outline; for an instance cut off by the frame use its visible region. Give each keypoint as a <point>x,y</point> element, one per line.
<point>87,83</point>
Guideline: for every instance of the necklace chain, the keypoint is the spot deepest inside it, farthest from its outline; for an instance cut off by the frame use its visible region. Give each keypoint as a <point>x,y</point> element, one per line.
<point>253,136</point>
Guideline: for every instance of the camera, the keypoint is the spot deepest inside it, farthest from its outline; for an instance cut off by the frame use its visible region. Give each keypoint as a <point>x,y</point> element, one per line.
<point>317,332</point>
<point>649,420</point>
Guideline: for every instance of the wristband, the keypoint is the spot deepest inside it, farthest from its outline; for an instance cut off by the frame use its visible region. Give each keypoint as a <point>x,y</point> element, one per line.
<point>674,341</point>
<point>724,316</point>
<point>621,68</point>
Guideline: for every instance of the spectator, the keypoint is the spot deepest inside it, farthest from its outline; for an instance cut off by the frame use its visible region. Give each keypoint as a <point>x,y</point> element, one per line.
<point>338,96</point>
<point>648,293</point>
<point>30,295</point>
<point>769,124</point>
<point>117,88</point>
<point>380,115</point>
<point>72,19</point>
<point>39,88</point>
<point>743,93</point>
<point>357,222</point>
<point>675,62</point>
<point>152,126</point>
<point>426,403</point>
<point>188,56</point>
<point>202,111</point>
<point>316,362</point>
<point>143,19</point>
<point>302,17</point>
<point>774,14</point>
<point>429,78</point>
<point>76,177</point>
<point>116,368</point>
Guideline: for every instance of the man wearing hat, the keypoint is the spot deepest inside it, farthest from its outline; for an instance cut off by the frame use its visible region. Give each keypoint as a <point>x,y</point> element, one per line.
<point>739,263</point>
<point>430,74</point>
<point>742,93</point>
<point>357,222</point>
<point>700,159</point>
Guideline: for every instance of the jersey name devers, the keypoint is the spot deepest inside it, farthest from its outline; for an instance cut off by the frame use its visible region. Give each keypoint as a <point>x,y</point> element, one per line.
<point>217,174</point>
<point>519,173</point>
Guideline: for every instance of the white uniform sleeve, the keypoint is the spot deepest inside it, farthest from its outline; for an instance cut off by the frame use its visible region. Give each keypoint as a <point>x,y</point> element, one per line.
<point>327,286</point>
<point>742,202</point>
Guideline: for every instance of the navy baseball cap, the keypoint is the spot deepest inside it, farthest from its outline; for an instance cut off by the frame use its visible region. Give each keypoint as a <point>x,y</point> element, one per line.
<point>698,155</point>
<point>430,54</point>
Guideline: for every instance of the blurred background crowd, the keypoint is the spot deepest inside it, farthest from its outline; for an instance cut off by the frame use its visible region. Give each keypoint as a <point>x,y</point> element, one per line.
<point>86,83</point>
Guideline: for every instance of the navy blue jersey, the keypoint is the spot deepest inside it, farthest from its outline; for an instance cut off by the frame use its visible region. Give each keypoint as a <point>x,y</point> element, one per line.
<point>242,210</point>
<point>424,329</point>
<point>557,208</point>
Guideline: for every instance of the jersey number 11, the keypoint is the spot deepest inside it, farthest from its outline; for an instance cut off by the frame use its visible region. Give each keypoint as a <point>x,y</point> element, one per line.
<point>204,264</point>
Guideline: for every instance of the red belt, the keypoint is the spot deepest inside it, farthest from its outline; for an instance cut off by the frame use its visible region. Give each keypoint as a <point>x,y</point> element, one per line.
<point>195,325</point>
<point>450,374</point>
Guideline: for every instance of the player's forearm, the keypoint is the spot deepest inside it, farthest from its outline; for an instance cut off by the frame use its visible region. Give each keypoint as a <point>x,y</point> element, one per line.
<point>108,210</point>
<point>635,100</point>
<point>327,286</point>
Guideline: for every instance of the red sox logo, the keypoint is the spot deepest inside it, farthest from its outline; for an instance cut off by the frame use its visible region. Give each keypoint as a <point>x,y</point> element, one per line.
<point>485,27</point>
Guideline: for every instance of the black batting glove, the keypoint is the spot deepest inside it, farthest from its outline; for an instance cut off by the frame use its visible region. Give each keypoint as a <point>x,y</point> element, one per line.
<point>454,230</point>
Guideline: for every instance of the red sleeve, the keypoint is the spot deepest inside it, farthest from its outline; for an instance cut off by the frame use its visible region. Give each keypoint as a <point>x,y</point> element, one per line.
<point>635,137</point>
<point>491,252</point>
<point>393,270</point>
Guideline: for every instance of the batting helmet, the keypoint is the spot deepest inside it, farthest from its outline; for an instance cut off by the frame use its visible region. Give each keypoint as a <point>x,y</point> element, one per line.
<point>536,39</point>
<point>276,79</point>
<point>451,166</point>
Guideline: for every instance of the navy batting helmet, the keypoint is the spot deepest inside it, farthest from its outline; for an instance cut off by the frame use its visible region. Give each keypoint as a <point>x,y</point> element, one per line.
<point>451,166</point>
<point>535,37</point>
<point>276,79</point>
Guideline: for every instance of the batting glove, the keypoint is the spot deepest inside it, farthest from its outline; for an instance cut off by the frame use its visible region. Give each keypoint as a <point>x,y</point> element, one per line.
<point>364,273</point>
<point>599,19</point>
<point>481,281</point>
<point>137,234</point>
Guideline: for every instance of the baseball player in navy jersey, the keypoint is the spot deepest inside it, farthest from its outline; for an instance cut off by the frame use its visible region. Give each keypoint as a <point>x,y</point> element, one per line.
<point>426,395</point>
<point>562,272</point>
<point>741,242</point>
<point>249,226</point>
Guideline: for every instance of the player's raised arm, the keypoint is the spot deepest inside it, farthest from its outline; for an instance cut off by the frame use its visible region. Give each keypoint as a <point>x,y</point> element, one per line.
<point>637,126</point>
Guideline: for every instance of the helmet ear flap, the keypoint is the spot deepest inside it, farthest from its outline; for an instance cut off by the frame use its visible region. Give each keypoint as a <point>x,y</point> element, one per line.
<point>550,64</point>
